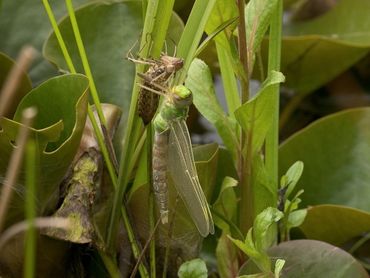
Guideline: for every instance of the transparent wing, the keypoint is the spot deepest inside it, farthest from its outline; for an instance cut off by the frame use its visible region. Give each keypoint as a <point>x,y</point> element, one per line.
<point>182,169</point>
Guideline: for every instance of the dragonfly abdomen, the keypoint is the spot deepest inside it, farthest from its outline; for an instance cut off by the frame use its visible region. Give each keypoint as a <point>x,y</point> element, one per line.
<point>160,151</point>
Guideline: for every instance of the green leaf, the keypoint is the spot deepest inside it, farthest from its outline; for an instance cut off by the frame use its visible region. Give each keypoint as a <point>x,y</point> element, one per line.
<point>227,257</point>
<point>309,258</point>
<point>296,218</point>
<point>257,19</point>
<point>293,175</point>
<point>254,116</point>
<point>193,269</point>
<point>248,249</point>
<point>312,259</point>
<point>223,11</point>
<point>263,188</point>
<point>310,49</point>
<point>261,225</point>
<point>29,25</point>
<point>199,81</point>
<point>225,204</point>
<point>335,224</point>
<point>333,150</point>
<point>257,275</point>
<point>61,103</point>
<point>279,264</point>
<point>24,85</point>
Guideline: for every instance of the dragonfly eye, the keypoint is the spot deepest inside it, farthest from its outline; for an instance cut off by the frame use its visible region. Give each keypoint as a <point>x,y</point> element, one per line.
<point>182,96</point>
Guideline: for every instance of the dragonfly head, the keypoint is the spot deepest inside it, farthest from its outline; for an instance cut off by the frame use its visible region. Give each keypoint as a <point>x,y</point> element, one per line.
<point>182,96</point>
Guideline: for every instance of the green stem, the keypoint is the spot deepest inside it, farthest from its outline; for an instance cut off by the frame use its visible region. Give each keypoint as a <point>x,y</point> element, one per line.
<point>31,172</point>
<point>244,162</point>
<point>59,37</point>
<point>272,138</point>
<point>85,62</point>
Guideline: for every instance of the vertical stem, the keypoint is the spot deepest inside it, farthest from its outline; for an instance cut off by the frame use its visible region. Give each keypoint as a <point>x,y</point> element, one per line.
<point>244,171</point>
<point>31,173</point>
<point>272,139</point>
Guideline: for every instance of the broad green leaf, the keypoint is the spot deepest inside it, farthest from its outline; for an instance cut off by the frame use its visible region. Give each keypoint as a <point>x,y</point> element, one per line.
<point>227,257</point>
<point>335,224</point>
<point>199,81</point>
<point>309,258</point>
<point>293,175</point>
<point>310,49</point>
<point>24,85</point>
<point>257,19</point>
<point>334,151</point>
<point>226,204</point>
<point>312,259</point>
<point>194,268</point>
<point>254,116</point>
<point>61,103</point>
<point>25,22</point>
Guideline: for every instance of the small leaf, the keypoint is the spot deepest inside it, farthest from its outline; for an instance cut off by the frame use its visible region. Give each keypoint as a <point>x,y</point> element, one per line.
<point>279,264</point>
<point>293,175</point>
<point>246,248</point>
<point>194,268</point>
<point>296,218</point>
<point>257,19</point>
<point>226,203</point>
<point>261,225</point>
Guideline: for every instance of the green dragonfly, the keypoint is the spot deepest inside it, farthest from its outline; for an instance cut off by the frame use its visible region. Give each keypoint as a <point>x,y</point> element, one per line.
<point>172,152</point>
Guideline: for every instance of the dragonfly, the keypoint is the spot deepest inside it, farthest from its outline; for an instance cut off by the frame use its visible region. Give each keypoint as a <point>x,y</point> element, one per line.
<point>172,152</point>
<point>159,73</point>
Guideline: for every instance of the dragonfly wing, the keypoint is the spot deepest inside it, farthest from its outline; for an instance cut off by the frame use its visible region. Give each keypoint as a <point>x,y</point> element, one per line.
<point>182,169</point>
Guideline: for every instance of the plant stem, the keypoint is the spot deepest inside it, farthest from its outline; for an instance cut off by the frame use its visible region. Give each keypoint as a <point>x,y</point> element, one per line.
<point>31,173</point>
<point>272,138</point>
<point>85,62</point>
<point>244,162</point>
